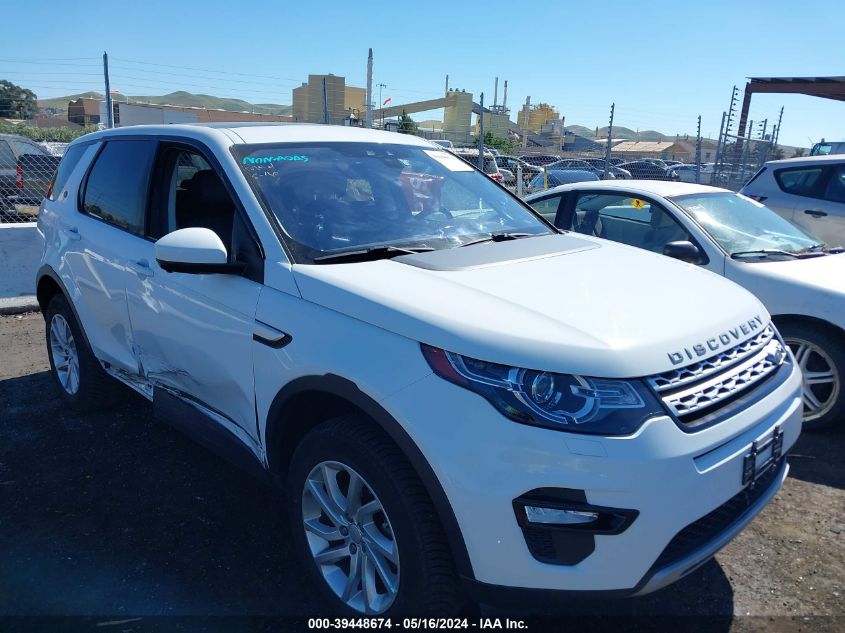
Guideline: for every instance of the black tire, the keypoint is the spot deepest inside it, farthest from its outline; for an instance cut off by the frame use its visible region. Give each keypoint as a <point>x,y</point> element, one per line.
<point>833,346</point>
<point>427,582</point>
<point>96,389</point>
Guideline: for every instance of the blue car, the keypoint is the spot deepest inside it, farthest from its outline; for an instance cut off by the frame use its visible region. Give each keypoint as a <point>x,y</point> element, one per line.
<point>560,177</point>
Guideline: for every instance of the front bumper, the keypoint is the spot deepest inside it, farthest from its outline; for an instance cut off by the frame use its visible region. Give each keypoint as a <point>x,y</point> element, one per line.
<point>671,478</point>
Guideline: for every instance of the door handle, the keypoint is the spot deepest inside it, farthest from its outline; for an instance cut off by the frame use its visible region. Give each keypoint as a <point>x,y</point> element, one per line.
<point>141,268</point>
<point>72,232</point>
<point>815,213</point>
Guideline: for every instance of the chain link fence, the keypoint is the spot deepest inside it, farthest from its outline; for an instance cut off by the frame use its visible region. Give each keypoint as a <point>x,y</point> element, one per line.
<point>26,171</point>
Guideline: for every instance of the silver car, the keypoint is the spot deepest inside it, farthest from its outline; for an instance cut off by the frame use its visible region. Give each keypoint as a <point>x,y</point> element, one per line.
<point>809,192</point>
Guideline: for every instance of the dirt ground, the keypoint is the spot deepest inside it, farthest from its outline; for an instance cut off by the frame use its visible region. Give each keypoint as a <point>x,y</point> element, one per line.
<point>113,514</point>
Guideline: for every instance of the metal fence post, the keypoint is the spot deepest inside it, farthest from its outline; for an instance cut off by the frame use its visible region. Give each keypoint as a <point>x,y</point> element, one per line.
<point>609,139</point>
<point>519,182</point>
<point>698,152</point>
<point>481,133</point>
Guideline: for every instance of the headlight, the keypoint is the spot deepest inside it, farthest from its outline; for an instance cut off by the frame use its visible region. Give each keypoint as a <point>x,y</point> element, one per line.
<point>578,404</point>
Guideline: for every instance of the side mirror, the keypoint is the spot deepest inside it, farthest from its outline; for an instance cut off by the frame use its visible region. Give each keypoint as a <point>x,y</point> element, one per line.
<point>194,250</point>
<point>683,250</point>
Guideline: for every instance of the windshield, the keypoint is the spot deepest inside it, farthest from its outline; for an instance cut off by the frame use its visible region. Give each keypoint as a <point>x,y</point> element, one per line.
<point>331,197</point>
<point>740,224</point>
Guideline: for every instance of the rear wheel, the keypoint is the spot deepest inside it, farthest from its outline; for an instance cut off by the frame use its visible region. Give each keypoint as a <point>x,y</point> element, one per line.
<point>821,356</point>
<point>364,526</point>
<point>81,380</point>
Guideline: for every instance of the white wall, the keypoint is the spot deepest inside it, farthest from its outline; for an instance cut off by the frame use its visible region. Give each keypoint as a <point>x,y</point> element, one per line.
<point>20,255</point>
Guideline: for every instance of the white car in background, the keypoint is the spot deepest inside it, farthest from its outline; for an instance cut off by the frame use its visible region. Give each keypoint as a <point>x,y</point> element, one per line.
<point>687,173</point>
<point>809,192</point>
<point>800,280</point>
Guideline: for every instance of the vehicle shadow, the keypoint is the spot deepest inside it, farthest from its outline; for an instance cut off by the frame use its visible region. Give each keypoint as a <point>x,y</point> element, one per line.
<point>817,457</point>
<point>113,513</point>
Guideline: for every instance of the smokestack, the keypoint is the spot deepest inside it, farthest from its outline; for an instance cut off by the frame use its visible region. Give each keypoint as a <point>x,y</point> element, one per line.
<point>447,84</point>
<point>505,96</point>
<point>495,92</point>
<point>369,119</point>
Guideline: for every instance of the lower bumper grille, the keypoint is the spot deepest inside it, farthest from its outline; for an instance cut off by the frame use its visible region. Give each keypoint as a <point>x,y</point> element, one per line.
<point>710,526</point>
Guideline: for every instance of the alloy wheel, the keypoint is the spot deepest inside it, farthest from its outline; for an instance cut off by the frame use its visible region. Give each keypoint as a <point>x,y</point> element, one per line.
<point>821,377</point>
<point>64,353</point>
<point>350,537</point>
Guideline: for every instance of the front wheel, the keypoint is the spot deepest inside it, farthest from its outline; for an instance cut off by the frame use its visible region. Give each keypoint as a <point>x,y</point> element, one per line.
<point>821,356</point>
<point>364,526</point>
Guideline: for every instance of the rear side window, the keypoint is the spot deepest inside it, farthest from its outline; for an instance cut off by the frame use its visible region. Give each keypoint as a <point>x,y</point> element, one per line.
<point>116,190</point>
<point>800,181</point>
<point>22,148</point>
<point>69,162</point>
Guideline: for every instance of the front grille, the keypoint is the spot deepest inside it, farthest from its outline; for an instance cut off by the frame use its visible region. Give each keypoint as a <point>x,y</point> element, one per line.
<point>710,526</point>
<point>701,388</point>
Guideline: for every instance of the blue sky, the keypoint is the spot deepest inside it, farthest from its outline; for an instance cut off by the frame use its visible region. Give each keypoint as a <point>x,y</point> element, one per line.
<point>662,63</point>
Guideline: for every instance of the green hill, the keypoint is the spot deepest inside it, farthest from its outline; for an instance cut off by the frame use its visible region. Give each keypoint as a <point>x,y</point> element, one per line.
<point>179,98</point>
<point>620,132</point>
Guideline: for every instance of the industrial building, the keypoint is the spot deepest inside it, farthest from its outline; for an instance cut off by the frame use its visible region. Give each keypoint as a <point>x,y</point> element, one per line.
<point>345,103</point>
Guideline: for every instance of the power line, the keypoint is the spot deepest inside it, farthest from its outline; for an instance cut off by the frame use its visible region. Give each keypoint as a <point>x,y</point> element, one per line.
<point>208,70</point>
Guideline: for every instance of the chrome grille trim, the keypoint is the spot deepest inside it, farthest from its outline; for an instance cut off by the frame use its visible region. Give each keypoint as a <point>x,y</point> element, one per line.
<point>686,402</point>
<point>677,378</point>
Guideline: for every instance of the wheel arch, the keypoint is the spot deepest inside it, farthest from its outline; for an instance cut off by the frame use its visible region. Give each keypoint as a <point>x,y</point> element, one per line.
<point>785,319</point>
<point>309,400</point>
<point>47,286</point>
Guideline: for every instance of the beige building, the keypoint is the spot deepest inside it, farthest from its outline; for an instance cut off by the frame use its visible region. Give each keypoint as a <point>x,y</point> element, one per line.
<point>308,100</point>
<point>681,149</point>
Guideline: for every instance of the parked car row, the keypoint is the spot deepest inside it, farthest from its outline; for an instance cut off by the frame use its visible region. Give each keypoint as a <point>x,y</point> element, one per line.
<point>26,169</point>
<point>454,397</point>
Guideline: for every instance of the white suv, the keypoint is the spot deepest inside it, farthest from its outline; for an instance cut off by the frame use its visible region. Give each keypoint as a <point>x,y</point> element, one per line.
<point>456,398</point>
<point>809,192</point>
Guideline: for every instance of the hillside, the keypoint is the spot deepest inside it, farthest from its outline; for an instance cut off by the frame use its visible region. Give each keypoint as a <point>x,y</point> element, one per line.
<point>620,132</point>
<point>179,98</point>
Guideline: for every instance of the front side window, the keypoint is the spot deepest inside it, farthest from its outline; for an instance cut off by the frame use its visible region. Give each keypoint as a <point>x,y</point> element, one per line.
<point>626,219</point>
<point>331,197</point>
<point>116,190</point>
<point>739,224</point>
<point>800,181</point>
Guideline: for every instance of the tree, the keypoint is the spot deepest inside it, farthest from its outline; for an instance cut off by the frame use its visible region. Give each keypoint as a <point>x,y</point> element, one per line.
<point>799,152</point>
<point>407,124</point>
<point>497,142</point>
<point>17,102</point>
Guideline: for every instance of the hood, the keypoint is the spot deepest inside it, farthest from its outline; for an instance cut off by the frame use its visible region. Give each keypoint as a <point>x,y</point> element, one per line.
<point>558,303</point>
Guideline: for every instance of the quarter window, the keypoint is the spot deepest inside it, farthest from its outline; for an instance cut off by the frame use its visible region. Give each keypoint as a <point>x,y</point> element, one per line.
<point>116,190</point>
<point>69,162</point>
<point>800,182</point>
<point>835,190</point>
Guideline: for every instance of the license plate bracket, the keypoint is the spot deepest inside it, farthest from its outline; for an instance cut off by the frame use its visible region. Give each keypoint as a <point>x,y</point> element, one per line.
<point>753,467</point>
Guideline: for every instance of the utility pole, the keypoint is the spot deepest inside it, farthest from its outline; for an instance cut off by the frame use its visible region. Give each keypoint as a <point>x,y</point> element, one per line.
<point>698,151</point>
<point>609,138</point>
<point>109,111</point>
<point>481,133</point>
<point>368,121</point>
<point>776,134</point>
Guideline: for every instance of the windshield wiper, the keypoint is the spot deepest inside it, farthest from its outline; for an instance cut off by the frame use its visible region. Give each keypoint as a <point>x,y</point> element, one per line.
<point>765,252</point>
<point>499,237</point>
<point>370,254</point>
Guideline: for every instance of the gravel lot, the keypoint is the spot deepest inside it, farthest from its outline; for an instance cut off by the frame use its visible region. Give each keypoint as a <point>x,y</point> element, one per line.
<point>112,514</point>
